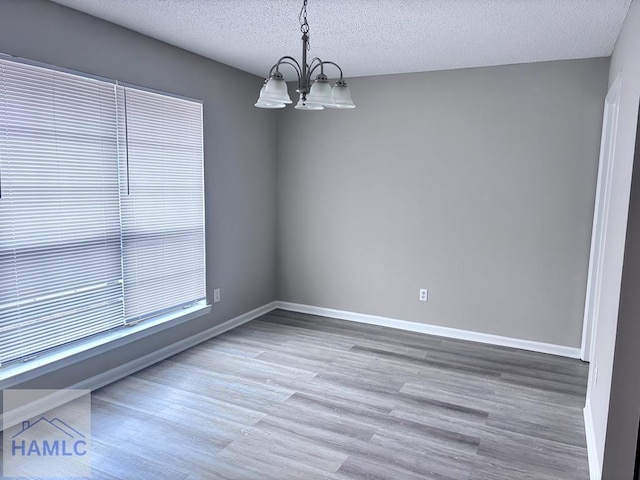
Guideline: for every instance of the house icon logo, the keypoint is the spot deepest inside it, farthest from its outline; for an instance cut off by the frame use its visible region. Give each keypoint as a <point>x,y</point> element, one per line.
<point>52,438</point>
<point>46,433</point>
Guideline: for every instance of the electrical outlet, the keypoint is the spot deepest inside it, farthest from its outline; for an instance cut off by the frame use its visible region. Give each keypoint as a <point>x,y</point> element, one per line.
<point>216,295</point>
<point>424,295</point>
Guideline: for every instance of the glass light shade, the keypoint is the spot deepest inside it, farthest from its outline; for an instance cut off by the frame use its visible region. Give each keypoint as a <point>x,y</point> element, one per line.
<point>269,105</point>
<point>264,104</point>
<point>320,92</point>
<point>305,105</point>
<point>275,91</point>
<point>342,96</point>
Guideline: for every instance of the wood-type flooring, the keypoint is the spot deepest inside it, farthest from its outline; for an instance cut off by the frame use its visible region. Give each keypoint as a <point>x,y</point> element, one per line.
<point>303,397</point>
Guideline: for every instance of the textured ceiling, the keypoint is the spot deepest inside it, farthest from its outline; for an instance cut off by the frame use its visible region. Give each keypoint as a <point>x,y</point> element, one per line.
<point>373,37</point>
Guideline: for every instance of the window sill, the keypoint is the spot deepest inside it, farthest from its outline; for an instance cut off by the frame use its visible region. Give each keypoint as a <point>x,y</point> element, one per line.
<point>23,372</point>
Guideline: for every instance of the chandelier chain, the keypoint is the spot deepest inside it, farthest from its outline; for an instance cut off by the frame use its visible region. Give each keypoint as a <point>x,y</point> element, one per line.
<point>304,25</point>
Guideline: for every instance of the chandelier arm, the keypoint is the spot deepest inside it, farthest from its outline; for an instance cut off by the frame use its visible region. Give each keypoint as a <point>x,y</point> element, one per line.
<point>335,65</point>
<point>282,61</point>
<point>295,67</point>
<point>321,65</point>
<point>315,60</point>
<point>313,64</point>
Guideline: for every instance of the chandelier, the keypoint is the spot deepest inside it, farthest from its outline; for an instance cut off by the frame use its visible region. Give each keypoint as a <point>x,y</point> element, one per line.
<point>313,96</point>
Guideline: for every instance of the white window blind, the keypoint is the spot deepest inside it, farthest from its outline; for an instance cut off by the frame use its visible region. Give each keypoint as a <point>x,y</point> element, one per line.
<point>162,204</point>
<point>60,276</point>
<point>101,207</point>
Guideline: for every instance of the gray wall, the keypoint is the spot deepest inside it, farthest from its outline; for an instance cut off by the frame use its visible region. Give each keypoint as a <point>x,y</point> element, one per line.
<point>615,398</point>
<point>239,145</point>
<point>477,184</point>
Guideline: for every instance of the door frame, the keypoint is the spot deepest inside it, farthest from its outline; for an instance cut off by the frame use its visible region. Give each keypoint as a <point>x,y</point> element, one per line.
<point>600,219</point>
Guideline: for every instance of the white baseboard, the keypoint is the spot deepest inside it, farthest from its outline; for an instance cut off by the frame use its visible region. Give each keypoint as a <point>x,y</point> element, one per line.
<point>595,472</point>
<point>447,332</point>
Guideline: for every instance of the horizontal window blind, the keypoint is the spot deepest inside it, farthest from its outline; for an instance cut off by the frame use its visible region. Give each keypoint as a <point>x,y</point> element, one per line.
<point>162,204</point>
<point>101,207</point>
<point>60,239</point>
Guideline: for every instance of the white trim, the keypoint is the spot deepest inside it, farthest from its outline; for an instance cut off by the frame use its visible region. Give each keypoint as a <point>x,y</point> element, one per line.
<point>600,219</point>
<point>447,332</point>
<point>65,395</point>
<point>595,473</point>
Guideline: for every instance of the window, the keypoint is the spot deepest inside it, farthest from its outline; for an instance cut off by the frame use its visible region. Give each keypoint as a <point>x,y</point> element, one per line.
<point>162,204</point>
<point>101,207</point>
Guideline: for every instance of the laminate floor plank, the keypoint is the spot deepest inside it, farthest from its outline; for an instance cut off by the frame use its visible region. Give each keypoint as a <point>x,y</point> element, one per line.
<point>377,398</point>
<point>205,381</point>
<point>531,370</point>
<point>511,357</point>
<point>295,448</point>
<point>490,469</point>
<point>330,348</point>
<point>303,416</point>
<point>275,463</point>
<point>307,362</point>
<point>218,421</point>
<point>516,392</point>
<point>231,347</point>
<point>375,355</point>
<point>516,412</point>
<point>291,396</point>
<point>547,457</point>
<point>362,468</point>
<point>294,331</point>
<point>255,369</point>
<point>548,427</point>
<point>355,331</point>
<point>434,459</point>
<point>112,461</point>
